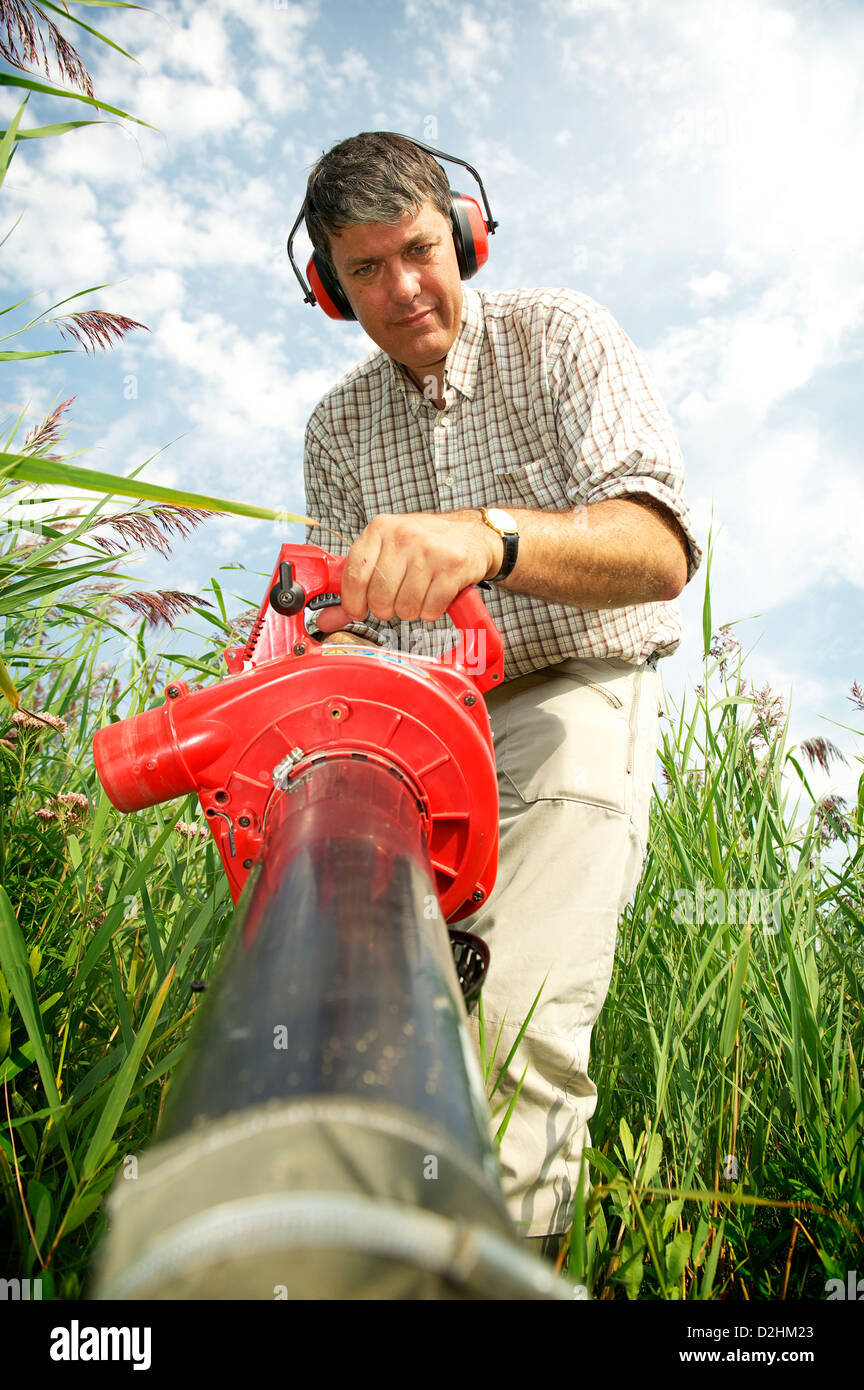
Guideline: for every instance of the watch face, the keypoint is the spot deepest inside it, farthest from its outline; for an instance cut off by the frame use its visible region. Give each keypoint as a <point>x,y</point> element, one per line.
<point>501,520</point>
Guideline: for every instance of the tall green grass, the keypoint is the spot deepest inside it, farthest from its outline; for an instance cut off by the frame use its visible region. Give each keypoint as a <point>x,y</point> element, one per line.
<point>105,923</point>
<point>727,1143</point>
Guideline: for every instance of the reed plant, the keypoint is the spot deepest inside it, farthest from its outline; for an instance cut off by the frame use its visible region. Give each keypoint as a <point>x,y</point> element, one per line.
<point>106,923</point>
<point>727,1157</point>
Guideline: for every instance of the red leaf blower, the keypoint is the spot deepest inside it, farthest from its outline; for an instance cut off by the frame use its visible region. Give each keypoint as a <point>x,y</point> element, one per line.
<point>327,1135</point>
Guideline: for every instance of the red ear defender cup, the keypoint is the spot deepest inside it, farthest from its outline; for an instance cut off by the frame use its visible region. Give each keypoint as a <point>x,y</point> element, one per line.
<point>327,290</point>
<point>470,234</point>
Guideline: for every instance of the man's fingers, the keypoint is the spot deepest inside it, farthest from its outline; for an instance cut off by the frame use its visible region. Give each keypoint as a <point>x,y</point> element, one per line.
<point>409,567</point>
<point>410,595</point>
<point>332,619</point>
<point>359,569</point>
<point>423,596</point>
<point>395,576</point>
<point>439,596</point>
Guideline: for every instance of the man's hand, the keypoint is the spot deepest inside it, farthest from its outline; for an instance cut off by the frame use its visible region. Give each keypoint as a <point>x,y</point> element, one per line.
<point>412,566</point>
<point>606,554</point>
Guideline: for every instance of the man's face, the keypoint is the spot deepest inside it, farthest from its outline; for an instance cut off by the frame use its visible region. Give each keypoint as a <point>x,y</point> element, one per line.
<point>402,281</point>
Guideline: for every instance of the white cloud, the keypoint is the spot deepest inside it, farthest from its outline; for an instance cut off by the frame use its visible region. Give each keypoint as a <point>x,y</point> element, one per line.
<point>278,93</point>
<point>238,388</point>
<point>57,255</point>
<point>221,227</point>
<point>202,47</point>
<point>99,155</point>
<point>462,46</point>
<point>786,520</point>
<point>145,296</point>
<point>201,71</point>
<point>705,288</point>
<point>186,110</point>
<point>747,122</point>
<point>130,440</point>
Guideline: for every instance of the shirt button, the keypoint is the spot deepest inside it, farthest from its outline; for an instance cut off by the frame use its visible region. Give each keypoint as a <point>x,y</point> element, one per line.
<point>447,480</point>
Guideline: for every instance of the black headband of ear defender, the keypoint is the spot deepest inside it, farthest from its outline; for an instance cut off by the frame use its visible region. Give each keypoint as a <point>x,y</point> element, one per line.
<point>470,236</point>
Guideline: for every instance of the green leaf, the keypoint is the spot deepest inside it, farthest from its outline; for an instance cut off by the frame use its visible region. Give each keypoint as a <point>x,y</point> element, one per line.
<point>123,1083</point>
<point>17,1062</point>
<point>706,607</point>
<point>126,889</point>
<point>519,1036</point>
<point>714,845</point>
<point>41,1209</point>
<point>38,470</point>
<point>13,960</point>
<point>671,1214</point>
<point>26,83</point>
<point>502,1128</point>
<point>700,1241</point>
<point>734,1005</point>
<point>631,1271</point>
<point>606,1166</point>
<point>7,686</point>
<point>653,1155</point>
<point>217,590</point>
<point>811,977</point>
<point>25,356</point>
<point>577,1263</point>
<point>103,38</point>
<point>707,1283</point>
<point>7,144</point>
<point>80,1209</point>
<point>626,1136</point>
<point>677,1255</point>
<point>3,241</point>
<point>40,131</point>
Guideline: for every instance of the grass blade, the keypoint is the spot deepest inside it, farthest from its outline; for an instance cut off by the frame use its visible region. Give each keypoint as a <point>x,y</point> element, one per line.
<point>123,1083</point>
<point>16,968</point>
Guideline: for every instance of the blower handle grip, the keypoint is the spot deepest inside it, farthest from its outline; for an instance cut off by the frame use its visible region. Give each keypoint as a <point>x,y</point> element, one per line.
<point>479,653</point>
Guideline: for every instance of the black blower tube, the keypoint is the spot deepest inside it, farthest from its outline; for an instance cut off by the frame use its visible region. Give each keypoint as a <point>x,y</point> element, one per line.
<point>327,1135</point>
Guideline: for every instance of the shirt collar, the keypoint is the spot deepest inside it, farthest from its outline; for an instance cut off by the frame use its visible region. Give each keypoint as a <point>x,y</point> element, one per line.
<point>464,356</point>
<point>460,370</point>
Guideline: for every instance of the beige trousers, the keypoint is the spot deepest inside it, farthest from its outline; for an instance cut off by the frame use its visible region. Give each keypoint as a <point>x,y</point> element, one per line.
<point>575,747</point>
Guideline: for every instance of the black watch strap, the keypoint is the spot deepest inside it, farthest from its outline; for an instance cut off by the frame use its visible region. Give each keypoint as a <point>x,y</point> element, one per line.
<point>511,550</point>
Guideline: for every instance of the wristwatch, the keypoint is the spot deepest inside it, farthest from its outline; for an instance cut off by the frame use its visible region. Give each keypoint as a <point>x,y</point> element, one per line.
<point>503,523</point>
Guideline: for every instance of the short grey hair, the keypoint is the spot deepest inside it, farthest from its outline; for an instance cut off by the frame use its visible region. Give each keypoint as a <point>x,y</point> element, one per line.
<point>377,176</point>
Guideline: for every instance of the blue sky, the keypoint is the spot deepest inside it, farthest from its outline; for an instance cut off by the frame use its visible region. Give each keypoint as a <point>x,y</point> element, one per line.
<point>692,166</point>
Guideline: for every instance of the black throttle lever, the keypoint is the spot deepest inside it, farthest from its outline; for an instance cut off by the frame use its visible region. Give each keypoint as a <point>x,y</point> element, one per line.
<point>288,596</point>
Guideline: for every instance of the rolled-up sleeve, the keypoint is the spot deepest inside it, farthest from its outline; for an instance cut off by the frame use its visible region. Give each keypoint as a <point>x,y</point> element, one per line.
<point>614,428</point>
<point>337,508</point>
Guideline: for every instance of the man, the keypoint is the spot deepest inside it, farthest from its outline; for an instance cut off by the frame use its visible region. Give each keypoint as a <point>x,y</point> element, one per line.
<point>534,402</point>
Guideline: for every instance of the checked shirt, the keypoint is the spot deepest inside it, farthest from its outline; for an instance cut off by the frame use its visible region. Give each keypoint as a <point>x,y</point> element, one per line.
<point>548,405</point>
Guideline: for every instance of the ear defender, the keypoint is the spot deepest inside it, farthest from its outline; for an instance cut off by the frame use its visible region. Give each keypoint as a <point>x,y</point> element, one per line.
<point>470,238</point>
<point>471,232</point>
<point>327,290</point>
